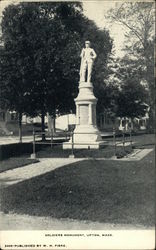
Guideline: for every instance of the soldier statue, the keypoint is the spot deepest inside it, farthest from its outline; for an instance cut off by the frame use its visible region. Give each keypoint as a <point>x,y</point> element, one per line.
<point>88,56</point>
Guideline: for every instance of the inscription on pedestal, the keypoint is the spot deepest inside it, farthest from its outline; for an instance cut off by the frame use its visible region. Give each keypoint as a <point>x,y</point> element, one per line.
<point>83,114</point>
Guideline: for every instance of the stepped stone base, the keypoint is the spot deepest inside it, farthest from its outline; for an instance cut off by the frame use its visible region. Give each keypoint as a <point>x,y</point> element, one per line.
<point>86,133</point>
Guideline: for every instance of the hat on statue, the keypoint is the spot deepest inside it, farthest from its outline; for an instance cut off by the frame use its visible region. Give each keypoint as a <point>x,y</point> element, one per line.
<point>87,42</point>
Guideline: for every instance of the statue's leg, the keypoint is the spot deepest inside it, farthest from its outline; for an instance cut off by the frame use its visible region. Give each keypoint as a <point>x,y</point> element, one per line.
<point>83,71</point>
<point>90,66</point>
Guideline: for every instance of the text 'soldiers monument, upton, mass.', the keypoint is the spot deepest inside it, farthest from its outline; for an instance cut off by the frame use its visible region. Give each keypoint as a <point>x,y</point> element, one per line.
<point>86,133</point>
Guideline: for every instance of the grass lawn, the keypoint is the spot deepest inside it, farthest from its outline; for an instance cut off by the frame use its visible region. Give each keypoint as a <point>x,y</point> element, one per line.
<point>144,140</point>
<point>12,163</point>
<point>107,151</point>
<point>139,140</point>
<point>96,190</point>
<point>58,152</point>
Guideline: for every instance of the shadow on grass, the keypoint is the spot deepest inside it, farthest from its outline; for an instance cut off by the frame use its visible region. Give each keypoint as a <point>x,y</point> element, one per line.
<point>104,191</point>
<point>13,163</point>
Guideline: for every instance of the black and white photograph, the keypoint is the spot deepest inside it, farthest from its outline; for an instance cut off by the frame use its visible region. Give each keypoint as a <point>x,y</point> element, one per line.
<point>77,124</point>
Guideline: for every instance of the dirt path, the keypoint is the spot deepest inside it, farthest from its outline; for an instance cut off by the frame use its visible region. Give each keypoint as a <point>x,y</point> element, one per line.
<point>45,165</point>
<point>26,222</point>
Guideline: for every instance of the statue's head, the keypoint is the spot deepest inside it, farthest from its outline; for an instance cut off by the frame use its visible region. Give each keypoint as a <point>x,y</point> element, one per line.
<point>87,44</point>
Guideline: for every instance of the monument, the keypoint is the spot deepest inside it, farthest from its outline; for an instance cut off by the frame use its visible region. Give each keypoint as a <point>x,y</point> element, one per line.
<point>86,133</point>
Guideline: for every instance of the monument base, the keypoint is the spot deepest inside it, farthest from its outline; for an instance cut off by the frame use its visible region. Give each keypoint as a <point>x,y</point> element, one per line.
<point>86,133</point>
<point>85,136</point>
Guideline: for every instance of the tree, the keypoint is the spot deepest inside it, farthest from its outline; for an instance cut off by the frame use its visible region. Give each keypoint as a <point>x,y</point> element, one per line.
<point>124,94</point>
<point>13,86</point>
<point>132,94</point>
<point>109,90</point>
<point>138,18</point>
<point>32,65</point>
<point>42,43</point>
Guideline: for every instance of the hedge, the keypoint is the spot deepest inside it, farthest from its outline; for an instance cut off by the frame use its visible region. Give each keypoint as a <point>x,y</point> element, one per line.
<point>17,149</point>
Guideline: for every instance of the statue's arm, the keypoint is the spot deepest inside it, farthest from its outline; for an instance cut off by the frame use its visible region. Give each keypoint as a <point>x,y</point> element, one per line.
<point>82,53</point>
<point>94,55</point>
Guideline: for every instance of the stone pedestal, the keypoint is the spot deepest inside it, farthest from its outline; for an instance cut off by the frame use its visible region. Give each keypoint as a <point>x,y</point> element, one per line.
<point>86,133</point>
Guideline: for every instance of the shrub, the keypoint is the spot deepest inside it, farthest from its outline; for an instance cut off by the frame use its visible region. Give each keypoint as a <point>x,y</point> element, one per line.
<point>128,150</point>
<point>121,152</point>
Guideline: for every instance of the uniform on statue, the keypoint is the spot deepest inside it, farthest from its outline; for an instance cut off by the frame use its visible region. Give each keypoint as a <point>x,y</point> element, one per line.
<point>88,56</point>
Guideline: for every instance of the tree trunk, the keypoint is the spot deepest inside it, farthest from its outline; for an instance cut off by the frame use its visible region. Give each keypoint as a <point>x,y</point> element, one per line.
<point>125,124</point>
<point>20,126</point>
<point>53,125</point>
<point>132,123</point>
<point>43,125</point>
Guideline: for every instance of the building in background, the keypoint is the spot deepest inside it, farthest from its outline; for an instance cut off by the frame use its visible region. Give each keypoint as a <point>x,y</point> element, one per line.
<point>9,122</point>
<point>106,123</point>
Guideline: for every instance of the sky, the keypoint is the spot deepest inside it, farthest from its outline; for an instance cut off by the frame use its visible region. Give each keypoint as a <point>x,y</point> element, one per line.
<point>94,10</point>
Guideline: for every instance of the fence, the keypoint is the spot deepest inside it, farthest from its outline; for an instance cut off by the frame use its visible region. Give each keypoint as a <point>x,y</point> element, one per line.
<point>58,138</point>
<point>52,139</point>
<point>124,139</point>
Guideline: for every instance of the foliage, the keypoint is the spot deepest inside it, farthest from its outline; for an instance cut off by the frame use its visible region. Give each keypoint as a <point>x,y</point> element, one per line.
<point>125,94</point>
<point>40,63</point>
<point>32,40</point>
<point>132,95</point>
<point>138,19</point>
<point>108,90</point>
